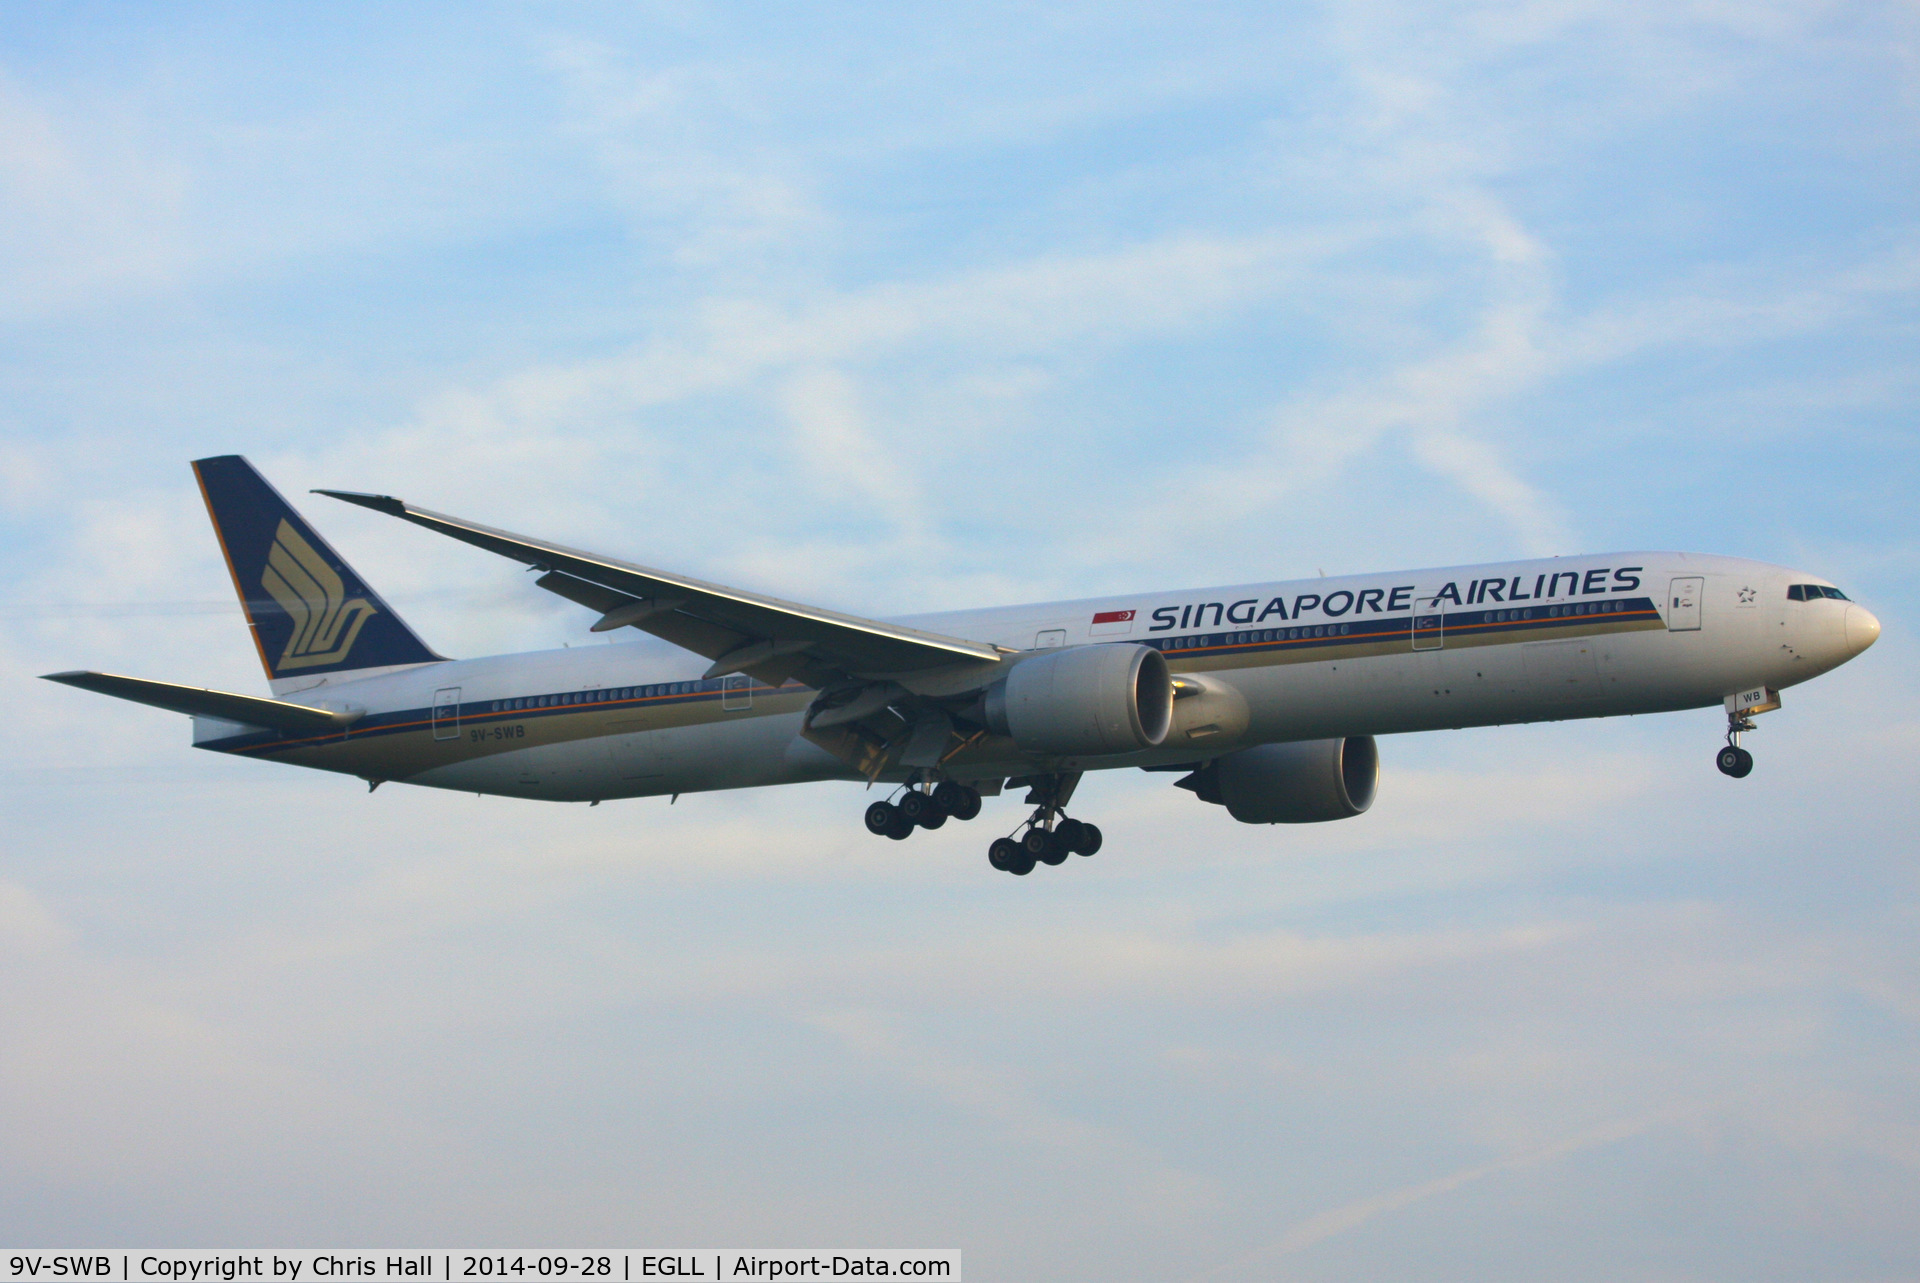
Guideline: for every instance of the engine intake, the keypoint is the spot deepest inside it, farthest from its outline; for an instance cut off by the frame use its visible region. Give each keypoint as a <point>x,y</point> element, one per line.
<point>1306,782</point>
<point>1086,701</point>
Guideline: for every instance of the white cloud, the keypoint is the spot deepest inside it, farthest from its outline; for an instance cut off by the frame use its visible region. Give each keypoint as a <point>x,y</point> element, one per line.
<point>1317,1229</point>
<point>26,924</point>
<point>84,207</point>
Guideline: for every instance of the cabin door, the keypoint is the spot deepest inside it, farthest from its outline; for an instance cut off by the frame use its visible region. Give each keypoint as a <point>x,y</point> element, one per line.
<point>446,713</point>
<point>1683,604</point>
<point>1429,624</point>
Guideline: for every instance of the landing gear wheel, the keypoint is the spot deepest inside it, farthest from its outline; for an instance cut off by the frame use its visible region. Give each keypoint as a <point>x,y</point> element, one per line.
<point>934,818</point>
<point>1069,833</point>
<point>1004,854</point>
<point>956,799</point>
<point>880,818</point>
<point>1044,846</point>
<point>902,828</point>
<point>1089,840</point>
<point>1735,761</point>
<point>915,806</point>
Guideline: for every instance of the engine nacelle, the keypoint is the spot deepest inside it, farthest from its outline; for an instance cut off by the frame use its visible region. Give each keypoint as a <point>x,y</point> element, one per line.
<point>1086,701</point>
<point>1300,783</point>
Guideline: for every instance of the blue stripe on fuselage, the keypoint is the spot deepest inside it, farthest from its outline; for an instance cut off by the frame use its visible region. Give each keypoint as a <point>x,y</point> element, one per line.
<point>487,711</point>
<point>1505,622</point>
<point>1470,623</point>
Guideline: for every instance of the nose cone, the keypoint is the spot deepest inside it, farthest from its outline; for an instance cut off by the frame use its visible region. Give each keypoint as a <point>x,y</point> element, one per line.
<point>1863,630</point>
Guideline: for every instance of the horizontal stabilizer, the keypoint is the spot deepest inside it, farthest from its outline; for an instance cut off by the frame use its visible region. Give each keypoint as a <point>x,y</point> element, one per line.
<point>249,710</point>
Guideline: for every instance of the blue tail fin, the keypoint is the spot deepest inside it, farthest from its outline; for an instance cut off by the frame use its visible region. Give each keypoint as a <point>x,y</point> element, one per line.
<point>310,613</point>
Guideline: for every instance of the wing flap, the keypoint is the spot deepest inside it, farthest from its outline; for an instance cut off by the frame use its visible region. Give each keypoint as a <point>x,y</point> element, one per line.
<point>711,620</point>
<point>249,710</point>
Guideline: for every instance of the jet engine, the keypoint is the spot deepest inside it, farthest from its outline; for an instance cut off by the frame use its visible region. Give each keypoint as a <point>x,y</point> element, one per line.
<point>1299,783</point>
<point>1086,701</point>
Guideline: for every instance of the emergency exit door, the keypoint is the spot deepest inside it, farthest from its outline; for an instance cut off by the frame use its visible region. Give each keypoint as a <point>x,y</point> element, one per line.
<point>1683,604</point>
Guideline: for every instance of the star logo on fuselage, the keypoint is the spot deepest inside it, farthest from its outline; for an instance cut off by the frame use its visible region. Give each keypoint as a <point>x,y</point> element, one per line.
<point>1747,595</point>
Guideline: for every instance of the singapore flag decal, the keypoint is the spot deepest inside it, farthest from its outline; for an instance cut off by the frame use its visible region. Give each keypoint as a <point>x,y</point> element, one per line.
<point>1109,622</point>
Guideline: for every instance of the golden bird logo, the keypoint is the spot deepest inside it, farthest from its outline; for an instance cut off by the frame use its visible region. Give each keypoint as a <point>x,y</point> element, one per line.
<point>325,623</point>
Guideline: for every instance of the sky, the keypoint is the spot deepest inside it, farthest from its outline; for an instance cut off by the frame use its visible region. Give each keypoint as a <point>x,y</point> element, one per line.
<point>909,307</point>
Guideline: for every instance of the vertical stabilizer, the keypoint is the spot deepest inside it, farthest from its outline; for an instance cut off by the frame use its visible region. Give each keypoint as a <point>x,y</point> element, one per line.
<point>310,613</point>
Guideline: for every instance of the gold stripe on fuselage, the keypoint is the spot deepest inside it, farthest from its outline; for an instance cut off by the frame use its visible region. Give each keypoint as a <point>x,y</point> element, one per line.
<point>395,750</point>
<point>1217,657</point>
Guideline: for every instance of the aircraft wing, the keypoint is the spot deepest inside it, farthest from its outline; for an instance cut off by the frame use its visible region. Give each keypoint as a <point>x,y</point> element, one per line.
<point>248,709</point>
<point>740,631</point>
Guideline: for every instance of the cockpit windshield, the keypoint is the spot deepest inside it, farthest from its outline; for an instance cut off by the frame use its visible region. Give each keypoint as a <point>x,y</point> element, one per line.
<point>1814,592</point>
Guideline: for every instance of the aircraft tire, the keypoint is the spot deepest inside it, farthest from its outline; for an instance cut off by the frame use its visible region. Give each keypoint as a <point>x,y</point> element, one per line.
<point>1069,833</point>
<point>1043,846</point>
<point>916,806</point>
<point>1735,761</point>
<point>1003,854</point>
<point>880,818</point>
<point>1089,840</point>
<point>934,818</point>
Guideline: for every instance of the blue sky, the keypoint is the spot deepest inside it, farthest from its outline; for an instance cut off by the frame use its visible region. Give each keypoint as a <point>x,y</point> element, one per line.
<point>898,308</point>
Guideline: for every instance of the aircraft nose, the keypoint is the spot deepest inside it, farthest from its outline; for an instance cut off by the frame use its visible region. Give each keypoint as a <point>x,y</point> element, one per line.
<point>1863,630</point>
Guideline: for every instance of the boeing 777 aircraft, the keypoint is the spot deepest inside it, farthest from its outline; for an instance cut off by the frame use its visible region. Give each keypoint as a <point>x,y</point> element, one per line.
<point>1265,698</point>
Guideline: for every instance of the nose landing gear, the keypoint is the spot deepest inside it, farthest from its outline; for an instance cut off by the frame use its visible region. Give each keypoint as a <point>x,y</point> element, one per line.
<point>1741,710</point>
<point>1732,759</point>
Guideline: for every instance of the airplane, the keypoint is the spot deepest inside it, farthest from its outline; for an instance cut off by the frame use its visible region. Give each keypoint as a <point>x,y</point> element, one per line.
<point>1267,699</point>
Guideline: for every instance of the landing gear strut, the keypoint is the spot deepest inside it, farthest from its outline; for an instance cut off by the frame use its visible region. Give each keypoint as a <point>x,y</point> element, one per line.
<point>1732,759</point>
<point>1050,836</point>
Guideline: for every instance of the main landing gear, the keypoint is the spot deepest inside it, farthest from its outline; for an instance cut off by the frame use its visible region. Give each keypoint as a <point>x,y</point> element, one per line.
<point>1050,836</point>
<point>921,807</point>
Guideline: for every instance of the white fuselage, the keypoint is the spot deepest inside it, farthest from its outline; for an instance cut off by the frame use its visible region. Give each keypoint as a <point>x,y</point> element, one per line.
<point>1528,641</point>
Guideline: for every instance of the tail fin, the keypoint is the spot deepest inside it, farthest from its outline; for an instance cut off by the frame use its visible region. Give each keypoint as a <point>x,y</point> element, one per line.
<point>310,613</point>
